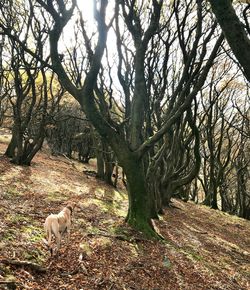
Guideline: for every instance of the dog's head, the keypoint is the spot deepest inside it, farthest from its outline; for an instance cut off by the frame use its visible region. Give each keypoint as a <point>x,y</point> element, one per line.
<point>71,206</point>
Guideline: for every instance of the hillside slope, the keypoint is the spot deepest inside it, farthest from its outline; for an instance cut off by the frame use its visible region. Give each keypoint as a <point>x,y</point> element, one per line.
<point>204,249</point>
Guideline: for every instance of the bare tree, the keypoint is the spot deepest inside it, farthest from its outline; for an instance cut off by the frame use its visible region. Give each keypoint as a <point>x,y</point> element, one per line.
<point>135,135</point>
<point>223,128</point>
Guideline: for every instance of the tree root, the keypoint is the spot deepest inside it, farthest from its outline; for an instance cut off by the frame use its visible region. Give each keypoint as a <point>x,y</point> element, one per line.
<point>130,239</point>
<point>147,229</point>
<point>32,266</point>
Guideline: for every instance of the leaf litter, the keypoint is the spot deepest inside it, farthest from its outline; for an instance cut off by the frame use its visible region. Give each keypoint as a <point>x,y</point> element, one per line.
<point>204,248</point>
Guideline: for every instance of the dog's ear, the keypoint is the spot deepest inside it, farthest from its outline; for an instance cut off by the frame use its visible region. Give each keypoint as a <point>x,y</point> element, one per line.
<point>73,205</point>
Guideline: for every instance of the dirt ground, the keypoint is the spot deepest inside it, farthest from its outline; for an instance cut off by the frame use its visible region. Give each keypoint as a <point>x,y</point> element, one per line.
<point>203,248</point>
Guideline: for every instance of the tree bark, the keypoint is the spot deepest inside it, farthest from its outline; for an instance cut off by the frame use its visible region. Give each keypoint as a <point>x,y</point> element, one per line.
<point>10,151</point>
<point>234,32</point>
<point>141,202</point>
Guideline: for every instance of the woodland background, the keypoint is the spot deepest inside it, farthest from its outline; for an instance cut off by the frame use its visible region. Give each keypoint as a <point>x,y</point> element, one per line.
<point>151,97</point>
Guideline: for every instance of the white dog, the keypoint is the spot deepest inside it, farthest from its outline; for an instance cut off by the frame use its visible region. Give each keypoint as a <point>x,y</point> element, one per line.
<point>58,225</point>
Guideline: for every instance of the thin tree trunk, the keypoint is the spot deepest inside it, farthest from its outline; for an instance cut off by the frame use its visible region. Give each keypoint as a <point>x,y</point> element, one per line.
<point>10,151</point>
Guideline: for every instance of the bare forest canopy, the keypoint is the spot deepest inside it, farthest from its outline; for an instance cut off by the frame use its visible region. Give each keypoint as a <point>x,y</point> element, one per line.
<point>157,91</point>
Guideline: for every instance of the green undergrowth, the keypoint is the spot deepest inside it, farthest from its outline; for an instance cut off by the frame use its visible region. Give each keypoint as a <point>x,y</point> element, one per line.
<point>11,192</point>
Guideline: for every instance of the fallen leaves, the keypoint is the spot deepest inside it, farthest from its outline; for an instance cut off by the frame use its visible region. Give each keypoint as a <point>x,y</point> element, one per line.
<point>203,250</point>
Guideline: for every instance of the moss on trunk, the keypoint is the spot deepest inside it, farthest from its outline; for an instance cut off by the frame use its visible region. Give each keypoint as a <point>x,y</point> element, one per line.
<point>141,203</point>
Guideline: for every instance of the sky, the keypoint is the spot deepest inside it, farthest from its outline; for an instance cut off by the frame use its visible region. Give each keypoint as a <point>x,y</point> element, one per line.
<point>86,7</point>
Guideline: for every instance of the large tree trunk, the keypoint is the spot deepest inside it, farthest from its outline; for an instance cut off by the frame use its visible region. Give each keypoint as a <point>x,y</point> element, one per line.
<point>141,203</point>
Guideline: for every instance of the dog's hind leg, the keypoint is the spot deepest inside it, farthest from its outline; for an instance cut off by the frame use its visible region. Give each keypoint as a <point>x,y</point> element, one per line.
<point>58,240</point>
<point>49,238</point>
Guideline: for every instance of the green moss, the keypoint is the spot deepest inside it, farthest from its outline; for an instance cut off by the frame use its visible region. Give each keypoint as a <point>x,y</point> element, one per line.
<point>102,242</point>
<point>121,230</point>
<point>92,230</point>
<point>32,233</point>
<point>35,255</point>
<point>134,249</point>
<point>56,196</point>
<point>193,255</point>
<point>108,201</point>
<point>141,225</point>
<point>11,192</point>
<point>33,236</point>
<point>85,248</point>
<point>9,235</point>
<point>17,218</point>
<point>111,202</point>
<point>81,223</point>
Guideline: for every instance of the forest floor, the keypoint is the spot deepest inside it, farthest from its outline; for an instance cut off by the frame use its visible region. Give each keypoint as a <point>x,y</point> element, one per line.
<point>204,248</point>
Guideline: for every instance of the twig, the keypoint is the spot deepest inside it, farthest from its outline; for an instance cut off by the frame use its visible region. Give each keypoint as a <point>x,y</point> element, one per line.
<point>138,268</point>
<point>74,272</point>
<point>31,265</point>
